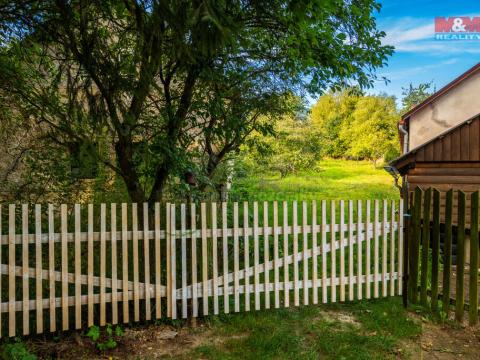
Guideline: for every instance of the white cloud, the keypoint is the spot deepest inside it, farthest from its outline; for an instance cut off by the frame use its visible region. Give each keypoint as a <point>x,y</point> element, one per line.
<point>417,35</point>
<point>412,71</point>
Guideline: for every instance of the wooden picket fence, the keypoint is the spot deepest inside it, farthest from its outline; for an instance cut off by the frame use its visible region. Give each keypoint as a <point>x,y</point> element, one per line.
<point>73,267</point>
<point>434,215</point>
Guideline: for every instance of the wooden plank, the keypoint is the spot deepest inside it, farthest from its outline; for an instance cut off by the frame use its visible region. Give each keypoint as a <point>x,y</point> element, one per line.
<point>11,271</point>
<point>447,253</point>
<point>203,210</point>
<point>64,245</point>
<point>246,258</point>
<point>25,275</point>
<point>368,291</point>
<point>460,291</point>
<point>136,279</point>
<point>173,261</point>
<point>215,258</point>
<point>474,141</point>
<point>447,148</point>
<point>90,269</point>
<point>113,228</point>
<point>473,286</point>
<point>455,146</point>
<point>146,261</point>
<point>103,263</point>
<point>333,253</point>
<point>236,261</point>
<point>304,252</point>
<point>296,285</point>
<point>38,267</point>
<point>384,247</point>
<point>359,250</point>
<point>276,260</point>
<point>78,268</point>
<point>169,259</point>
<point>193,225</point>
<point>392,249</point>
<point>415,247</point>
<point>435,249</point>
<point>324,254</point>
<point>256,276</point>
<point>467,170</point>
<point>425,246</point>
<point>1,300</point>
<point>183,245</point>
<point>51,268</point>
<point>420,155</point>
<point>437,150</point>
<point>350,251</point>
<point>266,255</point>
<point>125,263</point>
<point>429,152</point>
<point>342,250</point>
<point>400,247</point>
<point>286,282</point>
<point>465,143</point>
<point>226,301</point>
<point>445,178</point>
<point>315,253</point>
<point>376,253</point>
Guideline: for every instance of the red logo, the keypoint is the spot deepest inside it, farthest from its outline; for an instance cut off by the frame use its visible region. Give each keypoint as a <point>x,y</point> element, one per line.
<point>457,24</point>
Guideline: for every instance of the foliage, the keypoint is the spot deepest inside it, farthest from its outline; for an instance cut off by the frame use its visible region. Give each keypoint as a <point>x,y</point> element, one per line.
<point>371,132</point>
<point>349,124</point>
<point>16,351</point>
<point>105,339</point>
<point>412,96</point>
<point>291,149</point>
<point>328,115</point>
<point>154,88</point>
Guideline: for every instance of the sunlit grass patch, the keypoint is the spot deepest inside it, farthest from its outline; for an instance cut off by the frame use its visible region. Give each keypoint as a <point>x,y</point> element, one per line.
<point>362,330</point>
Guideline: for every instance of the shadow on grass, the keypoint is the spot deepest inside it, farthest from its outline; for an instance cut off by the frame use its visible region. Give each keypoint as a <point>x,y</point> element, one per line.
<point>362,330</point>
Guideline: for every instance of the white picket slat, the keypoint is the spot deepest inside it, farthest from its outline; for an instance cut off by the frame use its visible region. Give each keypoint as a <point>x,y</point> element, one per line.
<point>342,251</point>
<point>333,253</point>
<point>305,253</point>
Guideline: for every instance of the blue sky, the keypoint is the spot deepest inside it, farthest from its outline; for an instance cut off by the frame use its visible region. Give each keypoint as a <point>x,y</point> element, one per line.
<point>418,57</point>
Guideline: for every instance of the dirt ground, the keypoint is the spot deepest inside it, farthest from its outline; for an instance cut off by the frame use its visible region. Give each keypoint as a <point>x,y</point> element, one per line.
<point>440,342</point>
<point>445,342</point>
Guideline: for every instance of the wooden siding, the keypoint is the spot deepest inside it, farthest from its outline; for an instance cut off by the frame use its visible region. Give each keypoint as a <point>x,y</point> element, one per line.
<point>461,144</point>
<point>446,176</point>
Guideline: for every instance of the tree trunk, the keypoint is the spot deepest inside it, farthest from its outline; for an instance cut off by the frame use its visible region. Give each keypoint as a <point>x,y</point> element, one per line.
<point>129,174</point>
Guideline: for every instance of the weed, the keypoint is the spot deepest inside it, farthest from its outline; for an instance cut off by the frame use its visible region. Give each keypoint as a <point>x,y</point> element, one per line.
<point>106,339</point>
<point>16,351</point>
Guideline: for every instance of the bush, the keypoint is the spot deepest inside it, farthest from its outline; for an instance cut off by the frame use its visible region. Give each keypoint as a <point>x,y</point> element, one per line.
<point>16,351</point>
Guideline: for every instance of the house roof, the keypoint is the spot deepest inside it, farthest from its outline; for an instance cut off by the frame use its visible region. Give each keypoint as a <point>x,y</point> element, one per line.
<point>443,90</point>
<point>459,143</point>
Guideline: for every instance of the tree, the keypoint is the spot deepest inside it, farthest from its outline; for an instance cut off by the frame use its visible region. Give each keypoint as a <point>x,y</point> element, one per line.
<point>292,148</point>
<point>371,134</point>
<point>412,96</point>
<point>173,85</point>
<point>328,115</point>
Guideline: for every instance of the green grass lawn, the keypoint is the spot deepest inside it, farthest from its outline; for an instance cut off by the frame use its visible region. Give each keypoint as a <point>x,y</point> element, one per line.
<point>362,330</point>
<point>331,179</point>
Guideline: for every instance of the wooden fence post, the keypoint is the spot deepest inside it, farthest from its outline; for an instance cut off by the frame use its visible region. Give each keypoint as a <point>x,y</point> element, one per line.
<point>425,245</point>
<point>435,248</point>
<point>415,247</point>
<point>447,252</point>
<point>473,288</point>
<point>460,257</point>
